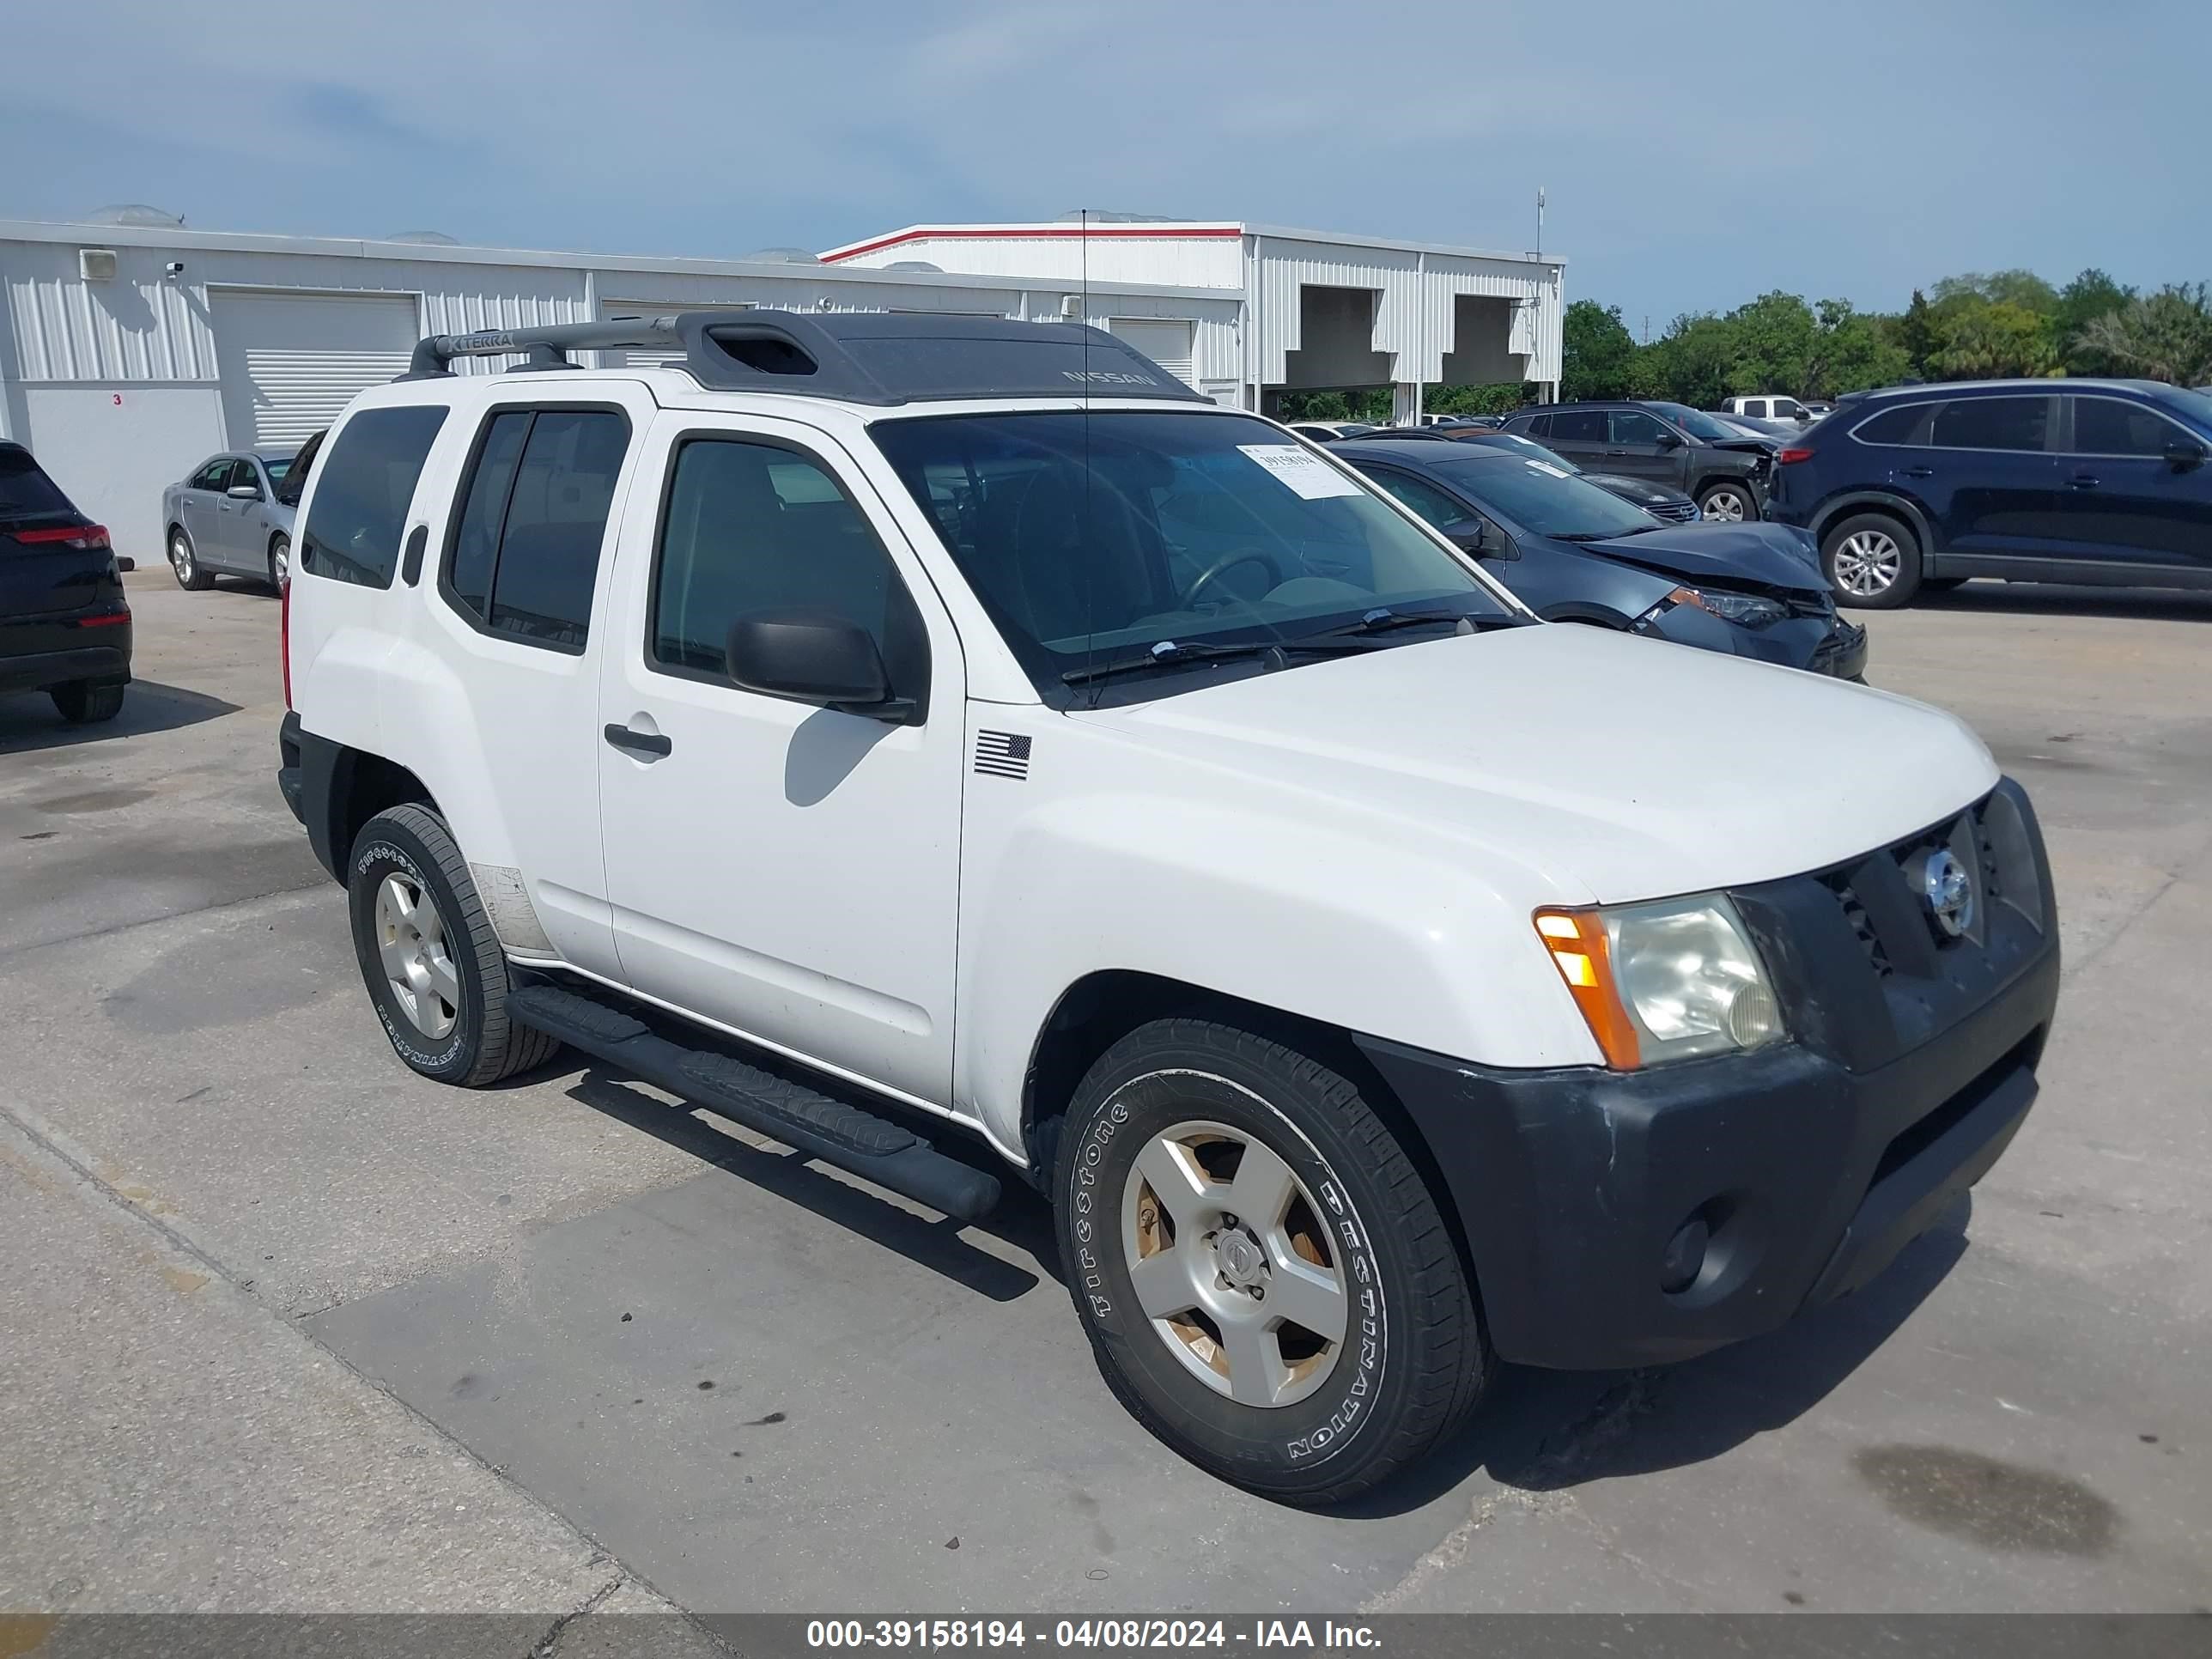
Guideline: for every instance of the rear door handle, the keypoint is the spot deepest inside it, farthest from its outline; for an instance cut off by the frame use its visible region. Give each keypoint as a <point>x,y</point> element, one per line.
<point>1919,471</point>
<point>2084,481</point>
<point>650,745</point>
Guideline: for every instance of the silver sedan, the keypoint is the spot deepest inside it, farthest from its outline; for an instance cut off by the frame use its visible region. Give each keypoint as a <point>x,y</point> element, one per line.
<point>229,518</point>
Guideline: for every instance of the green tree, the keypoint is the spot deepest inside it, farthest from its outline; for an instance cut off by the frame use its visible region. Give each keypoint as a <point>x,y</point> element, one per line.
<point>1851,353</point>
<point>2023,288</point>
<point>2082,302</point>
<point>1917,336</point>
<point>1774,338</point>
<point>1981,340</point>
<point>2165,336</point>
<point>1597,352</point>
<point>1694,361</point>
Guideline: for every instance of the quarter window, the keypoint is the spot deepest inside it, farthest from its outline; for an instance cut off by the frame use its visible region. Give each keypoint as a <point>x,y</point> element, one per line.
<point>2108,426</point>
<point>1905,424</point>
<point>752,527</point>
<point>2016,424</point>
<point>365,485</point>
<point>525,555</point>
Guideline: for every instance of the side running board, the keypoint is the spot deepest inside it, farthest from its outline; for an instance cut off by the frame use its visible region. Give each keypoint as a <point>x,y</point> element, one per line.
<point>887,1153</point>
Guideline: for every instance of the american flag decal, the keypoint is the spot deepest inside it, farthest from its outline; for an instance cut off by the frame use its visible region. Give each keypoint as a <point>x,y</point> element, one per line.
<point>1002,754</point>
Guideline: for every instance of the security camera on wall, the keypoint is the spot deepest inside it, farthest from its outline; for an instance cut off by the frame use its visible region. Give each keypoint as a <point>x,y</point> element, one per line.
<point>174,268</point>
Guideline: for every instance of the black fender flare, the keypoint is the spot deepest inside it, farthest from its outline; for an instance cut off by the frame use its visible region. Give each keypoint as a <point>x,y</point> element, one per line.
<point>1580,610</point>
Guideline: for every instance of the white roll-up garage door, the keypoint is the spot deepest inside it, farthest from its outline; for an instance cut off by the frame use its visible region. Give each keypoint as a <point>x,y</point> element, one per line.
<point>1165,340</point>
<point>289,363</point>
<point>611,309</point>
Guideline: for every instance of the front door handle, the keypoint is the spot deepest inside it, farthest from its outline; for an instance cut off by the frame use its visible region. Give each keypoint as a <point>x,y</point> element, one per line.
<point>650,745</point>
<point>2084,481</point>
<point>1919,471</point>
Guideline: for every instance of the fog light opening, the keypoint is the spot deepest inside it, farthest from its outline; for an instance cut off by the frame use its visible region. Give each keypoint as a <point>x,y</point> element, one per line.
<point>1684,1258</point>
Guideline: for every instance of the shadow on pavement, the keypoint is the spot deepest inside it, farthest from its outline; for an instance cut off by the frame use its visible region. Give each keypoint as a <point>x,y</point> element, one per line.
<point>2050,599</point>
<point>28,722</point>
<point>1021,1219</point>
<point>1549,1430</point>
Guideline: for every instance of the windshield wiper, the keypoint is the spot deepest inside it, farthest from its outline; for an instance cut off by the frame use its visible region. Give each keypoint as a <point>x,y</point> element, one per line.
<point>1172,654</point>
<point>1382,619</point>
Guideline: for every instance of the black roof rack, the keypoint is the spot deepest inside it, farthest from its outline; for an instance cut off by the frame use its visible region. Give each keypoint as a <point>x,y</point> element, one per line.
<point>861,357</point>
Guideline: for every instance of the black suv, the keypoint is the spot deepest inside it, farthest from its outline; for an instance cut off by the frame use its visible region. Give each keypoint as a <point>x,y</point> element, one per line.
<point>65,625</point>
<point>1721,468</point>
<point>2098,482</point>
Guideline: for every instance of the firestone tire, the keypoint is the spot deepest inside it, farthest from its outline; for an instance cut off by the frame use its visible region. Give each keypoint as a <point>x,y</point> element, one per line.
<point>467,1036</point>
<point>1412,1360</point>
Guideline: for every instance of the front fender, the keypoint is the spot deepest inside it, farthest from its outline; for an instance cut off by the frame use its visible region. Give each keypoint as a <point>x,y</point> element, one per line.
<point>1329,920</point>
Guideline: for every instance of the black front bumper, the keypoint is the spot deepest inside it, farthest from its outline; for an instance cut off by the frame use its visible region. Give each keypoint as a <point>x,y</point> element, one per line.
<point>1812,1163</point>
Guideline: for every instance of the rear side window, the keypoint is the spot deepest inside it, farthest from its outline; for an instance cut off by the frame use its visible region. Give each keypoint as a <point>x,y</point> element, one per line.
<point>1581,426</point>
<point>523,557</point>
<point>363,487</point>
<point>1536,426</point>
<point>25,491</point>
<point>754,528</point>
<point>1993,423</point>
<point>2109,426</point>
<point>1907,423</point>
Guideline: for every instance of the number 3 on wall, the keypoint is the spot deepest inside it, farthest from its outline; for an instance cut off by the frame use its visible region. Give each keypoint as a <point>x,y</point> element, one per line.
<point>118,400</point>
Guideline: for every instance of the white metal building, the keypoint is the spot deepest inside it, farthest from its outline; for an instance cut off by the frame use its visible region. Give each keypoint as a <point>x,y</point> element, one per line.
<point>131,347</point>
<point>1320,309</point>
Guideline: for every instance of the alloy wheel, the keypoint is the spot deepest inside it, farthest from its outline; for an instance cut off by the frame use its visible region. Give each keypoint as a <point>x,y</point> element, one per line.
<point>411,942</point>
<point>181,557</point>
<point>1233,1265</point>
<point>1725,507</point>
<point>1867,563</point>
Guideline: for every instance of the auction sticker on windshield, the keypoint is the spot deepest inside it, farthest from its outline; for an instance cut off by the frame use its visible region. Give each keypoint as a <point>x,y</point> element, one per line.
<point>1545,466</point>
<point>1302,471</point>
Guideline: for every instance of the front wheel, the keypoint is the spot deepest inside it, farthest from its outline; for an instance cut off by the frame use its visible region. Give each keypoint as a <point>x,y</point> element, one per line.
<point>1728,504</point>
<point>433,968</point>
<point>1267,1282</point>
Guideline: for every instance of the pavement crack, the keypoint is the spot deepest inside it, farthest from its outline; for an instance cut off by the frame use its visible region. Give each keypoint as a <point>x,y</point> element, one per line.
<point>547,1644</point>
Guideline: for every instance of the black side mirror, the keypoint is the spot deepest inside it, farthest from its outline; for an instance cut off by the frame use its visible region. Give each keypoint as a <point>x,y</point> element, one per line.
<point>1476,539</point>
<point>1666,439</point>
<point>814,656</point>
<point>2182,456</point>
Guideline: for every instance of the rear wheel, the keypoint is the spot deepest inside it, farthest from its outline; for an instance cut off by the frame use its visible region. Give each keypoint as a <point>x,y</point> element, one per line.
<point>83,702</point>
<point>434,967</point>
<point>280,560</point>
<point>1728,504</point>
<point>185,563</point>
<point>1267,1282</point>
<point>1872,561</point>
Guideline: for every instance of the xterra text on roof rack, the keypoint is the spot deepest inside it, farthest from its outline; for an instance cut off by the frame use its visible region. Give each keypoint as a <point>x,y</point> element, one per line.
<point>855,726</point>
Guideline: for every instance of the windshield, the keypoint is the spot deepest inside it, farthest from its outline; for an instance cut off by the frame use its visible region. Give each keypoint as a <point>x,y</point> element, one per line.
<point>1697,423</point>
<point>25,491</point>
<point>1540,496</point>
<point>1202,529</point>
<point>2196,406</point>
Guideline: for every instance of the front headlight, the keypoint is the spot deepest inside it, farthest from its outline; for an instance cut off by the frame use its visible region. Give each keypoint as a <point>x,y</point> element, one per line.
<point>1664,981</point>
<point>1746,609</point>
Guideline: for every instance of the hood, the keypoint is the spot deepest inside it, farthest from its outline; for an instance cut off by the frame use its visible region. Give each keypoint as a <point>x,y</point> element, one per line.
<point>1601,766</point>
<point>1633,489</point>
<point>1766,556</point>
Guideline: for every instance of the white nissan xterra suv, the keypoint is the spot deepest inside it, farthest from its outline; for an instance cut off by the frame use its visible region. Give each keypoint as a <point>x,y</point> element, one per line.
<point>873,719</point>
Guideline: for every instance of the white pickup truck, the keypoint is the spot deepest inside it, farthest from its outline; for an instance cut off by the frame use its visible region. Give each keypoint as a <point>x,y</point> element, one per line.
<point>901,735</point>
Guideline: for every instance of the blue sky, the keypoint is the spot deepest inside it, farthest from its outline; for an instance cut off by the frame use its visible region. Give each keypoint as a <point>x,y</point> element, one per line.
<point>1694,155</point>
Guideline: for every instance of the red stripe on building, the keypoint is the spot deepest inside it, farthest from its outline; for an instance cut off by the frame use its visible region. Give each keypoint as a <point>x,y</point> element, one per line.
<point>998,234</point>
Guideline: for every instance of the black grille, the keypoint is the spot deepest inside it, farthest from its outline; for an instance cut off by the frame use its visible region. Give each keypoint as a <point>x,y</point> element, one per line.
<point>1893,920</point>
<point>1862,924</point>
<point>1672,512</point>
